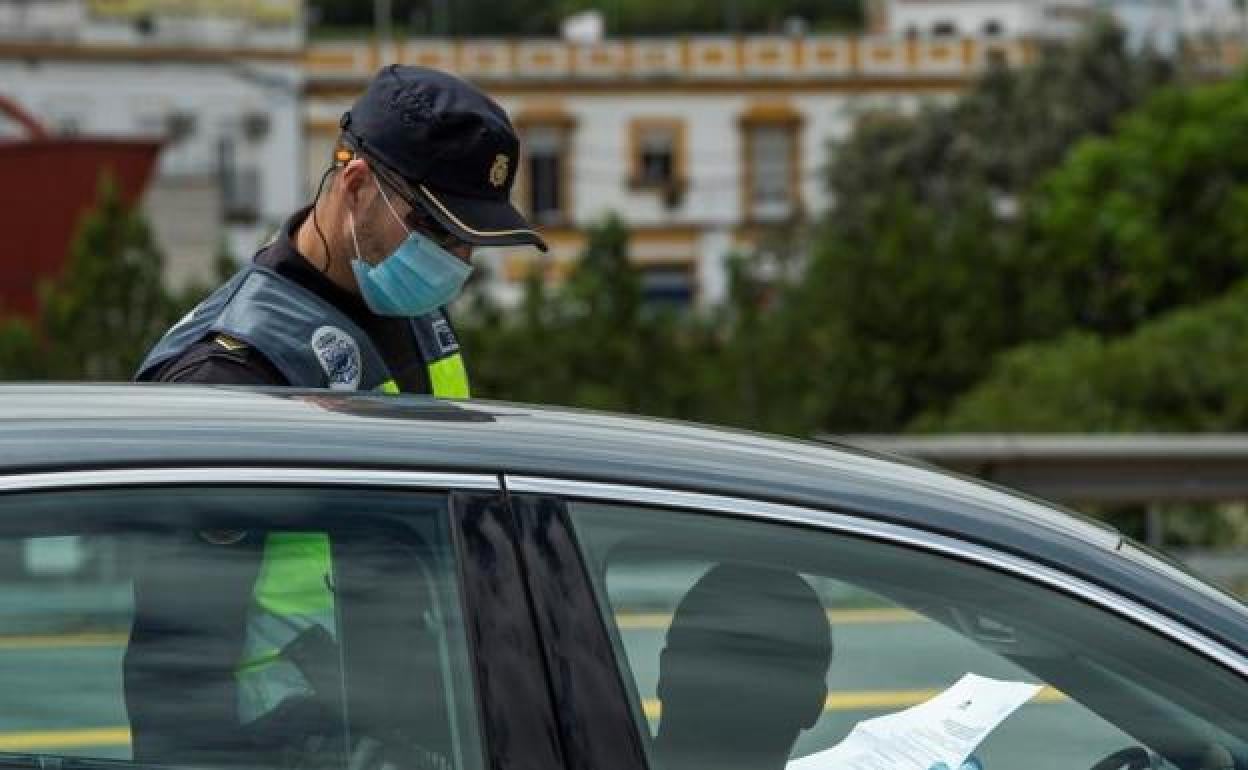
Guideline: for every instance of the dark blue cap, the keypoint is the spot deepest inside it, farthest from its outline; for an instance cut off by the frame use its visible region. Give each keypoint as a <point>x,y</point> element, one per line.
<point>453,147</point>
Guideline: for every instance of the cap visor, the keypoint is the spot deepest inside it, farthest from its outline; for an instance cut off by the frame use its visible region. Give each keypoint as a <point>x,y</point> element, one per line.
<point>480,221</point>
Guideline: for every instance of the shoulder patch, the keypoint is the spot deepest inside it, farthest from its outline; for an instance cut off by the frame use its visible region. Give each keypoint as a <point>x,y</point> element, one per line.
<point>339,355</point>
<point>229,343</point>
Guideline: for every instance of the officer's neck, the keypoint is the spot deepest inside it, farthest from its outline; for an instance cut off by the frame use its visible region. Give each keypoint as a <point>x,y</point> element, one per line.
<point>311,247</point>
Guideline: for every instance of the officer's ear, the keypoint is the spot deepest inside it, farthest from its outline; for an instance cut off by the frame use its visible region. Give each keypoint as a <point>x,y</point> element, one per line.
<point>354,179</point>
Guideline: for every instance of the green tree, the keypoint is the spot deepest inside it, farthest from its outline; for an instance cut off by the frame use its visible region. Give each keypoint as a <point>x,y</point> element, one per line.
<point>591,341</point>
<point>921,271</point>
<point>1151,218</point>
<point>1130,227</point>
<point>1180,372</point>
<point>21,356</point>
<point>110,304</point>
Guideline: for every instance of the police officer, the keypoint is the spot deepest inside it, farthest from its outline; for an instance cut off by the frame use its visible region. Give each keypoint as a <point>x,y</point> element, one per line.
<point>349,295</point>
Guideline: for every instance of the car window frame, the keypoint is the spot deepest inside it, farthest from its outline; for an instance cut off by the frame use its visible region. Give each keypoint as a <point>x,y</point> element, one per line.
<point>862,526</point>
<point>467,494</point>
<point>596,723</point>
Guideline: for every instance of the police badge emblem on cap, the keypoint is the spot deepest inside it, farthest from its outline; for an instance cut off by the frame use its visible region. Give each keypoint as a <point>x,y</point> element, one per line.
<point>498,172</point>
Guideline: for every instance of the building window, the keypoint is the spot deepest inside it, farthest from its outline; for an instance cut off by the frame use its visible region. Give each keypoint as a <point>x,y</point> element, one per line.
<point>772,164</point>
<point>546,173</point>
<point>944,29</point>
<point>656,158</point>
<point>657,148</point>
<point>543,185</point>
<point>992,28</point>
<point>240,185</point>
<point>667,285</point>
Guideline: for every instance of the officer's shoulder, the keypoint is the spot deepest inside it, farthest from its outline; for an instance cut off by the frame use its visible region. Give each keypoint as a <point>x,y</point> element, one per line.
<point>222,359</point>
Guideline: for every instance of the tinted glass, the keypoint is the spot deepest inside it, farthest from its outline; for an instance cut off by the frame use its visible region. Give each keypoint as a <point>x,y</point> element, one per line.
<point>751,644</point>
<point>242,627</point>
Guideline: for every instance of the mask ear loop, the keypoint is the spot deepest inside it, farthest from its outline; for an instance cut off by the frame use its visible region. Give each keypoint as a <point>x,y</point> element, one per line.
<point>351,221</point>
<point>390,205</point>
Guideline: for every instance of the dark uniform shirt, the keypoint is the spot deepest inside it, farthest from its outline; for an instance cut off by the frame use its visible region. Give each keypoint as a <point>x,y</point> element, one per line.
<point>218,359</point>
<point>174,653</point>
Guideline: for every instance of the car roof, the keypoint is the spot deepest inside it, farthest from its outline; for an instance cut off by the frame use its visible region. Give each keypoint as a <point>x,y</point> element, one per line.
<point>60,427</point>
<point>74,426</point>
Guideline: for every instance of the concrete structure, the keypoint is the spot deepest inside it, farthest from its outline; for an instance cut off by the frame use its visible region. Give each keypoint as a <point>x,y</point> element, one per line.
<point>1078,469</point>
<point>221,83</point>
<point>1156,471</point>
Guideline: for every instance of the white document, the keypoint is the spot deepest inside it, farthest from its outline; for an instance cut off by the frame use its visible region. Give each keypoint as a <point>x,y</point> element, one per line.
<point>946,729</point>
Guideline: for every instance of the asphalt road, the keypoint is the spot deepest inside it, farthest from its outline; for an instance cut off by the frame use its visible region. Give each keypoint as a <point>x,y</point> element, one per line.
<point>62,694</point>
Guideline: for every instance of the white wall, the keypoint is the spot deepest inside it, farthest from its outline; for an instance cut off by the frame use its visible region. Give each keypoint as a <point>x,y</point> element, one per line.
<point>70,20</point>
<point>129,99</point>
<point>1015,17</point>
<point>1160,23</point>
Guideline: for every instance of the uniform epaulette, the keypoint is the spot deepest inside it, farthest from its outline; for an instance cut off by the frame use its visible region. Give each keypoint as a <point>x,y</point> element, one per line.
<point>229,343</point>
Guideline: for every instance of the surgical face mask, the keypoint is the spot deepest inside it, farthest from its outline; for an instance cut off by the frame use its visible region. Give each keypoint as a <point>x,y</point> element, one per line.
<point>418,277</point>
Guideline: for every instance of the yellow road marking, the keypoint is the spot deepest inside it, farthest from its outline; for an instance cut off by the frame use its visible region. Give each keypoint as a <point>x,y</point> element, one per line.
<point>65,739</point>
<point>873,700</point>
<point>865,700</point>
<point>632,621</point>
<point>62,641</point>
<point>638,621</point>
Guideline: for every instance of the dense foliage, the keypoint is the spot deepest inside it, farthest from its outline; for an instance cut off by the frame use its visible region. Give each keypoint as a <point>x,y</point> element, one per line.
<point>1154,218</point>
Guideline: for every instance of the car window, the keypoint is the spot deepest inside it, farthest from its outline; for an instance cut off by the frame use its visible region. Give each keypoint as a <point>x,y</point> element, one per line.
<point>291,627</point>
<point>752,644</point>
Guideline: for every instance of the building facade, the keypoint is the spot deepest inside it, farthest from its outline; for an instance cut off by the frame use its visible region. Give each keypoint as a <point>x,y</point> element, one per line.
<point>704,146</point>
<point>707,147</point>
<point>220,83</point>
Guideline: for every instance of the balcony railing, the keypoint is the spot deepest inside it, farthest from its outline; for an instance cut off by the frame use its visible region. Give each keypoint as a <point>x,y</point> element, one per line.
<point>709,59</point>
<point>705,59</point>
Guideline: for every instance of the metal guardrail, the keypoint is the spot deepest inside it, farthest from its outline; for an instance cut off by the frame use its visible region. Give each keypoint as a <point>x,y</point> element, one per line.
<point>1086,468</point>
<point>1153,470</point>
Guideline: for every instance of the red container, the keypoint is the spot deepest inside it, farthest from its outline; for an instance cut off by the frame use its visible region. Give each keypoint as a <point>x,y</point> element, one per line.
<point>50,183</point>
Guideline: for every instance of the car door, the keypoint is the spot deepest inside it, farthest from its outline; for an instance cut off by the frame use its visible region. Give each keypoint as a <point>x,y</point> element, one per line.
<point>266,617</point>
<point>759,636</point>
